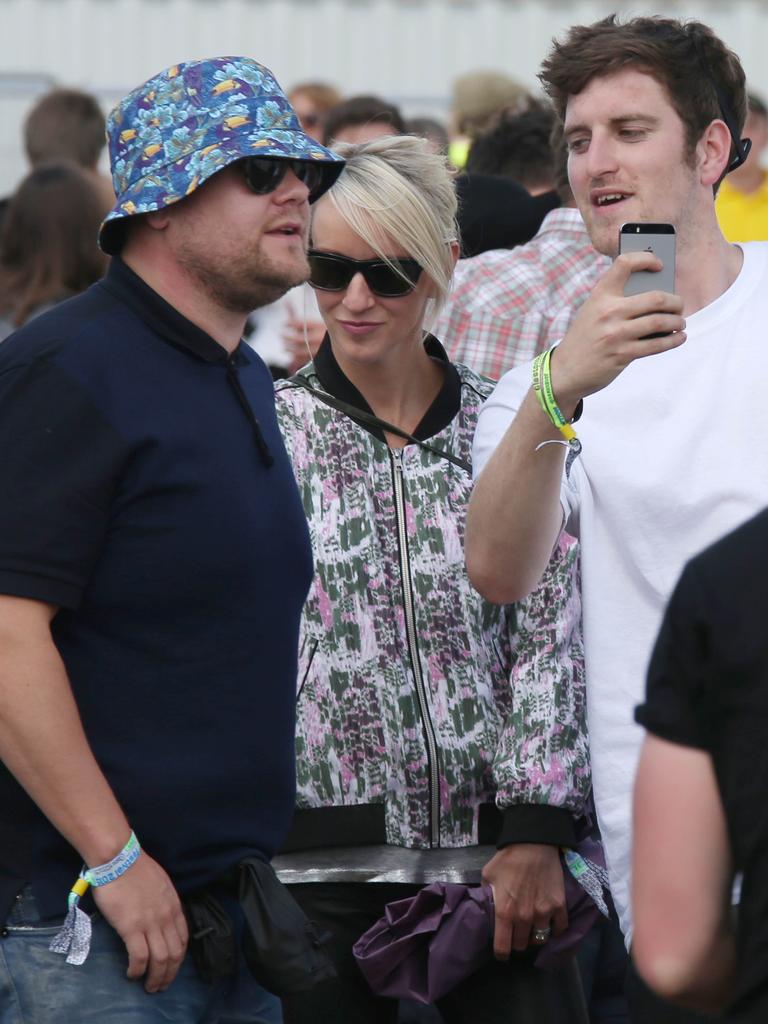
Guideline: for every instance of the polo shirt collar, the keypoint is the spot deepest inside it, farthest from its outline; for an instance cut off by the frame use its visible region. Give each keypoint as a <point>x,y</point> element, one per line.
<point>163,318</point>
<point>438,416</point>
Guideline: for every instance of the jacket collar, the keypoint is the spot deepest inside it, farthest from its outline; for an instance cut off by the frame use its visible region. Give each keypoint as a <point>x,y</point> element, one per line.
<point>441,412</point>
<point>163,318</point>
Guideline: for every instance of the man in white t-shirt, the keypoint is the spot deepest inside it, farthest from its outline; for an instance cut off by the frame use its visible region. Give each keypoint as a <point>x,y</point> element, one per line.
<point>671,457</point>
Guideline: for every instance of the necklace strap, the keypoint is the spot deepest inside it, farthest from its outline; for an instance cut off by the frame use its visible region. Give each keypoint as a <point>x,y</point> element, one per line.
<point>371,420</point>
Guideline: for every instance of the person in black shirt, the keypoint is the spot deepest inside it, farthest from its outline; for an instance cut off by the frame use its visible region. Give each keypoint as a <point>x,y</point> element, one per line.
<point>700,802</point>
<point>154,560</point>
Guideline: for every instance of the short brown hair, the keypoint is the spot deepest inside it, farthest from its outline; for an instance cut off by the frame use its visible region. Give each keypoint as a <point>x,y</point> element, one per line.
<point>686,58</point>
<point>359,110</point>
<point>322,95</point>
<point>65,124</point>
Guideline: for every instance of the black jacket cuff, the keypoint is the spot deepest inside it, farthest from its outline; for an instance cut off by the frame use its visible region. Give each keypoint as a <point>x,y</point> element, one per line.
<point>537,823</point>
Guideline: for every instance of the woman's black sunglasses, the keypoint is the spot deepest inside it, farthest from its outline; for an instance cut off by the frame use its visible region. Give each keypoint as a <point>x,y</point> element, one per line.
<point>332,273</point>
<point>264,173</point>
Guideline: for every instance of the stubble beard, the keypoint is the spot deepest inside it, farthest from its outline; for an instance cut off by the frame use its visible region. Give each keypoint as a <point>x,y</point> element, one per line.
<point>244,283</point>
<point>604,238</point>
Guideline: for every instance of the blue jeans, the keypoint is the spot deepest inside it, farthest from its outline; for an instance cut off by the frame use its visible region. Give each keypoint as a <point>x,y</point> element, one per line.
<point>40,987</point>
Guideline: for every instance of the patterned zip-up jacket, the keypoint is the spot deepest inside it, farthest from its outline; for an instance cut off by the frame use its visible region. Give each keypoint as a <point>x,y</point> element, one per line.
<point>413,692</point>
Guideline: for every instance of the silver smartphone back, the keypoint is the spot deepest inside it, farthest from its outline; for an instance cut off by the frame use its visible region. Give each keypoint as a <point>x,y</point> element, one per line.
<point>658,239</point>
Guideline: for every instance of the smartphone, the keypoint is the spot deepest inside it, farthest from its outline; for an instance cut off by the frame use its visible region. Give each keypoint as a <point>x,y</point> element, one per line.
<point>658,239</point>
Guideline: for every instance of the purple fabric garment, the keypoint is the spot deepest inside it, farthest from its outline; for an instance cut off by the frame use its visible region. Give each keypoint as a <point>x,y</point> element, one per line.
<point>426,944</point>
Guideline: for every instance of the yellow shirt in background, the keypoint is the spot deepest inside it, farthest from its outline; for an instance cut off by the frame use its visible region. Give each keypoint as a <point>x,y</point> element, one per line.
<point>743,218</point>
<point>458,151</point>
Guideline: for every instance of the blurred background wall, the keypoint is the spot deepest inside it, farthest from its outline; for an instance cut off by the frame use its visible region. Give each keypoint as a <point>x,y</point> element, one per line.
<point>408,51</point>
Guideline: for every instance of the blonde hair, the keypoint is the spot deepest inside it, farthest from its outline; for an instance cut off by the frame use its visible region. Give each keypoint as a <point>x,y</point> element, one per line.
<point>394,188</point>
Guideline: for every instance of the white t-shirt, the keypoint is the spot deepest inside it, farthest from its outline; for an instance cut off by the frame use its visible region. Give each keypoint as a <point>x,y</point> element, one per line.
<point>675,455</point>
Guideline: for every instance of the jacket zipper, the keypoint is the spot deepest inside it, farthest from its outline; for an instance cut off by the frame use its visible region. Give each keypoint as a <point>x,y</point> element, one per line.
<point>413,648</point>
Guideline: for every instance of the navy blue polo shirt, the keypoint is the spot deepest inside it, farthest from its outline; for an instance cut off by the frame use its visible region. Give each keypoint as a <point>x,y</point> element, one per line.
<point>146,492</point>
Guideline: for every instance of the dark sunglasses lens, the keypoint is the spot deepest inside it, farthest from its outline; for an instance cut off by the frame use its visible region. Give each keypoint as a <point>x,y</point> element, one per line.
<point>387,282</point>
<point>312,176</point>
<point>262,175</point>
<point>333,273</point>
<point>327,273</point>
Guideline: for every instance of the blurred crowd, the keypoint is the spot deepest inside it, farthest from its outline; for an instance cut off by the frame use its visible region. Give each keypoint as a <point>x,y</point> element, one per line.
<point>497,137</point>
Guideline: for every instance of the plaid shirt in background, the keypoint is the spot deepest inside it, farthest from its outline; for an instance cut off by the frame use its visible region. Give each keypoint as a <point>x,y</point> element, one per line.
<point>507,305</point>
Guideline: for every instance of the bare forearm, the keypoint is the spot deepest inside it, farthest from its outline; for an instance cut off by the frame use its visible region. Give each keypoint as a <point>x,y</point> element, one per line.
<point>682,875</point>
<point>43,744</point>
<point>704,984</point>
<point>514,515</point>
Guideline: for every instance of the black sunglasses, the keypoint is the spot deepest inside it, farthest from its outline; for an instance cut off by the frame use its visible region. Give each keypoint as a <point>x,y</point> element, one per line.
<point>332,273</point>
<point>264,173</point>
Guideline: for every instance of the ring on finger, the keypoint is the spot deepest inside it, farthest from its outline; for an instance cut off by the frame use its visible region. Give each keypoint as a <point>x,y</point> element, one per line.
<point>541,935</point>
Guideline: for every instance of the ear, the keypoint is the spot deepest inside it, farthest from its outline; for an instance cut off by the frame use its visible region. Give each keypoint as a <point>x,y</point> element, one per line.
<point>158,220</point>
<point>714,152</point>
<point>431,288</point>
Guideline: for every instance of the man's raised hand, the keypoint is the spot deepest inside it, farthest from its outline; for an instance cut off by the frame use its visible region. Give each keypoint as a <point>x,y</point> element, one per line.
<point>611,330</point>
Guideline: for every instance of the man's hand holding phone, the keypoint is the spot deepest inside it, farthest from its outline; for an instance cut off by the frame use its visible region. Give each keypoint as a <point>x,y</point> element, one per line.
<point>613,329</point>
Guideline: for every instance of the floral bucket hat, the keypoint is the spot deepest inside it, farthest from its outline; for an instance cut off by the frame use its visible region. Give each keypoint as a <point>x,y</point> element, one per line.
<point>171,134</point>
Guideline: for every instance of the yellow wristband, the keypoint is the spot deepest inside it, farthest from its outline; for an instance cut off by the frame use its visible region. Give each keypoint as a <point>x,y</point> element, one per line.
<point>542,386</point>
<point>80,888</point>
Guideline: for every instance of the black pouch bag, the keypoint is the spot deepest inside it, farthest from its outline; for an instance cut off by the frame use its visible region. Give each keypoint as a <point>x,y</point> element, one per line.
<point>282,947</point>
<point>212,940</point>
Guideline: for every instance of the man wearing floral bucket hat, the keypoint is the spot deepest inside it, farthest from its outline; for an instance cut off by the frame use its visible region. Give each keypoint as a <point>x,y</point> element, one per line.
<point>154,559</point>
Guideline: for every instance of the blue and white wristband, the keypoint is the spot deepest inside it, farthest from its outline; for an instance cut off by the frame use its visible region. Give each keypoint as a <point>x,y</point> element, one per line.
<point>74,938</point>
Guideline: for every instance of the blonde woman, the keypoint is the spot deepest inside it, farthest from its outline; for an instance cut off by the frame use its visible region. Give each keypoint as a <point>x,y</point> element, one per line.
<point>415,759</point>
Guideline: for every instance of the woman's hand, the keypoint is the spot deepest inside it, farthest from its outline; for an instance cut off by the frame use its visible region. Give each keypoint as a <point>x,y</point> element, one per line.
<point>528,894</point>
<point>302,349</point>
